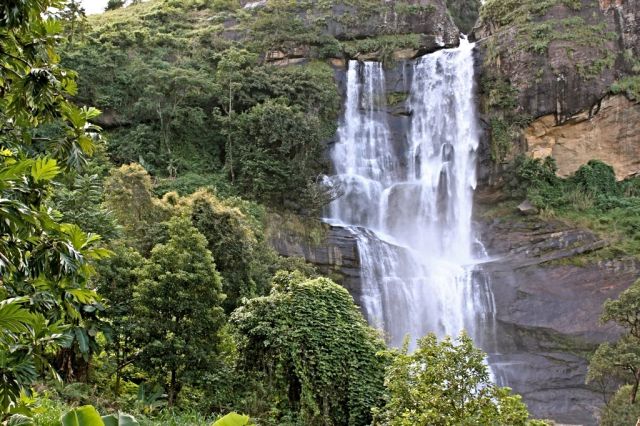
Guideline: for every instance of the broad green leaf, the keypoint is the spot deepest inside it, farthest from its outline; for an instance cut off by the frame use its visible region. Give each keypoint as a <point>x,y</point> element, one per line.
<point>91,112</point>
<point>83,340</point>
<point>74,115</point>
<point>44,169</point>
<point>82,416</point>
<point>232,419</point>
<point>77,236</point>
<point>86,144</point>
<point>120,420</point>
<point>13,317</point>
<point>19,420</point>
<point>83,295</point>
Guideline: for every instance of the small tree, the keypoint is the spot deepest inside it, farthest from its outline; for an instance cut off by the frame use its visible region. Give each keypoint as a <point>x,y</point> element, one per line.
<point>447,383</point>
<point>115,282</point>
<point>114,4</point>
<point>620,361</point>
<point>177,304</point>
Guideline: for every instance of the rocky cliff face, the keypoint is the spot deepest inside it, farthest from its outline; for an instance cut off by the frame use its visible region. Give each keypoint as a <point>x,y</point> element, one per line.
<point>333,250</point>
<point>546,73</point>
<point>561,58</point>
<point>609,132</point>
<point>548,68</point>
<point>354,29</point>
<point>547,308</point>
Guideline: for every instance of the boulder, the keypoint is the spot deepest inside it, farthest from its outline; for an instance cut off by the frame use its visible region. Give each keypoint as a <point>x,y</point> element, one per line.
<point>527,209</point>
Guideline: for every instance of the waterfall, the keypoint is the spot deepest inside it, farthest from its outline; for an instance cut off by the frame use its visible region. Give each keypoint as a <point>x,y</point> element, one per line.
<point>410,206</point>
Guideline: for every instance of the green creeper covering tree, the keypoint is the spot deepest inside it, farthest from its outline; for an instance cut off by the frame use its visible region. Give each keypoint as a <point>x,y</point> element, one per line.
<point>310,343</point>
<point>447,383</point>
<point>178,309</point>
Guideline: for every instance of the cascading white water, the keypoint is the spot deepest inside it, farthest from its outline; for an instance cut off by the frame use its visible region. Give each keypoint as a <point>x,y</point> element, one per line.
<point>410,207</point>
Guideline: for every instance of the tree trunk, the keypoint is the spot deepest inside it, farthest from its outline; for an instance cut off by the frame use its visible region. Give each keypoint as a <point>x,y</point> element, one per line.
<point>118,368</point>
<point>229,146</point>
<point>172,389</point>
<point>634,390</point>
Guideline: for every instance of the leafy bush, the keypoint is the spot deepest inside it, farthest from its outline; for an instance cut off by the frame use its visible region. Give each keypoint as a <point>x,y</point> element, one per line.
<point>629,86</point>
<point>591,197</point>
<point>597,179</point>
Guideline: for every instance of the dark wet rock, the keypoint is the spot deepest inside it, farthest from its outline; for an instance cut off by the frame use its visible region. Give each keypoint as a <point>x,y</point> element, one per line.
<point>548,305</point>
<point>333,250</point>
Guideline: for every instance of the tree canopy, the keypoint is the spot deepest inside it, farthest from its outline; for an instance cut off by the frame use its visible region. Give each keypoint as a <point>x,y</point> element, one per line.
<point>447,383</point>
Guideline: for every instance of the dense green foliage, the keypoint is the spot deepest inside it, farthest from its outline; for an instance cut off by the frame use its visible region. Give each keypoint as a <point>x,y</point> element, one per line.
<point>629,86</point>
<point>211,94</point>
<point>115,282</point>
<point>591,197</point>
<point>196,118</point>
<point>447,383</point>
<point>237,245</point>
<point>44,267</point>
<point>465,13</point>
<point>619,362</point>
<point>309,339</point>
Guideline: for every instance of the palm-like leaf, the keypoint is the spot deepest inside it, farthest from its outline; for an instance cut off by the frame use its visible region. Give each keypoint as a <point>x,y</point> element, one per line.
<point>14,319</point>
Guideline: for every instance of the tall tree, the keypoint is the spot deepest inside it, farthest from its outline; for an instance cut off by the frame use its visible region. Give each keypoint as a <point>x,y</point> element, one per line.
<point>115,282</point>
<point>129,195</point>
<point>178,309</point>
<point>232,241</point>
<point>43,263</point>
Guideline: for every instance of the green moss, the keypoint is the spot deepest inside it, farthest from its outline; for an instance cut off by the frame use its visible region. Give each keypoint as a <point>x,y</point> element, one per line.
<point>552,341</point>
<point>500,102</point>
<point>396,98</point>
<point>629,86</point>
<point>382,46</point>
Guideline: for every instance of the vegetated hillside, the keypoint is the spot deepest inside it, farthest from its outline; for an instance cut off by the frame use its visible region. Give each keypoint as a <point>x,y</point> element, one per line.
<point>240,96</point>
